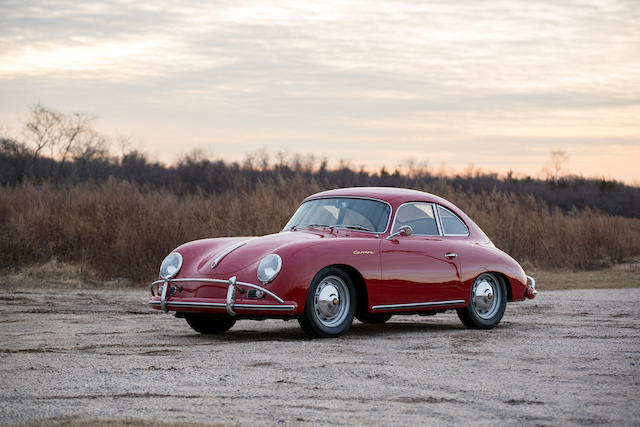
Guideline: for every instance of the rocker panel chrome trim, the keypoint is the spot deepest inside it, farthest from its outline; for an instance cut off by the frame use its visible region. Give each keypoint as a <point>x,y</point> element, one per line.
<point>417,305</point>
<point>223,306</point>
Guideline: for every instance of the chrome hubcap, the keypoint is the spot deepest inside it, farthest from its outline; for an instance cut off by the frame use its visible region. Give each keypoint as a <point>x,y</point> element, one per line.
<point>485,296</point>
<point>328,301</point>
<point>331,301</point>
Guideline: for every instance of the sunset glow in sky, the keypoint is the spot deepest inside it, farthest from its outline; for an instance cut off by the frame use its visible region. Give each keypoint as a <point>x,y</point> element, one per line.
<point>495,84</point>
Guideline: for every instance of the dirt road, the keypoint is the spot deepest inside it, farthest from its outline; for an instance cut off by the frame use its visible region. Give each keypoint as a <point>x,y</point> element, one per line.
<point>567,357</point>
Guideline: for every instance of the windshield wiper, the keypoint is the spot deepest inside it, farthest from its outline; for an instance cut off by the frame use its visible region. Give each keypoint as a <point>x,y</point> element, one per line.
<point>354,227</point>
<point>350,227</point>
<point>312,225</point>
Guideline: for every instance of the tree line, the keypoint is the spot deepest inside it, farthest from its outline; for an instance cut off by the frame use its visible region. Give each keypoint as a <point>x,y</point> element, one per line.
<point>66,149</point>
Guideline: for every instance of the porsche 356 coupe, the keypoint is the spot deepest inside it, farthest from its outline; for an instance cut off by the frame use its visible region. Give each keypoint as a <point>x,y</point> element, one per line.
<point>368,253</point>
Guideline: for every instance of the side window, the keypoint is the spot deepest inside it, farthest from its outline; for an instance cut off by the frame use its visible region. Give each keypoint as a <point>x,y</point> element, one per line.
<point>451,224</point>
<point>420,216</point>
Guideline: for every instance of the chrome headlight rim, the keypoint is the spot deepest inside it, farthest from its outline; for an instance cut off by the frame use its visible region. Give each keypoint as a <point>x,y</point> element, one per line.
<point>177,265</point>
<point>266,277</point>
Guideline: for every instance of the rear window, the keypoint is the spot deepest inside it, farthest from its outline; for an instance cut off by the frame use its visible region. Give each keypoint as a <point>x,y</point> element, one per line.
<point>452,225</point>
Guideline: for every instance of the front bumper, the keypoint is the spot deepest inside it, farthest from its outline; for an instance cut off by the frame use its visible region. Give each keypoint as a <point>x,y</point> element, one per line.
<point>166,302</point>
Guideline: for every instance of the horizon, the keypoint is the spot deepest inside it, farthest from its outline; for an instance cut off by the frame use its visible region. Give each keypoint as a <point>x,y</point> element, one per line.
<point>498,87</point>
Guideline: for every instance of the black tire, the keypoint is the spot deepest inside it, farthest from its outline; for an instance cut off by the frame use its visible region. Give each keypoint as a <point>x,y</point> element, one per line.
<point>210,324</point>
<point>331,290</point>
<point>487,302</point>
<point>366,317</point>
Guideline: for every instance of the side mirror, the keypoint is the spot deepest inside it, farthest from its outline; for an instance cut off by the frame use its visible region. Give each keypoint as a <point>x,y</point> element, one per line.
<point>405,230</point>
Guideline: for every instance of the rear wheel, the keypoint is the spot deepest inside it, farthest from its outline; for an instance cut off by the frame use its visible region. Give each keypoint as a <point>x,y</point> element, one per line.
<point>210,324</point>
<point>330,304</point>
<point>487,303</point>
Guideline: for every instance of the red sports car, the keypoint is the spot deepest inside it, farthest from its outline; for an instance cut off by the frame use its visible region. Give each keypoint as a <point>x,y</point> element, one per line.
<point>368,253</point>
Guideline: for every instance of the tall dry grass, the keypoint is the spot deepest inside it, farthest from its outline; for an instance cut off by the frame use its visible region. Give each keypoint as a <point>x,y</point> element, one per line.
<point>120,229</point>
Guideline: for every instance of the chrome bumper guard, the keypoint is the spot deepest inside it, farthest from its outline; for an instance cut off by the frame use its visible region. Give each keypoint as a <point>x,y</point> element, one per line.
<point>531,287</point>
<point>232,287</point>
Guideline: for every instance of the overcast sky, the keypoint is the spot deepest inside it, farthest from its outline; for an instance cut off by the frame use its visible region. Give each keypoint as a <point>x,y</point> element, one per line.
<point>497,84</point>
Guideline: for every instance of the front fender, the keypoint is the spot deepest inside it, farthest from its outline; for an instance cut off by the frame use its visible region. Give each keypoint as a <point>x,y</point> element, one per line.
<point>300,264</point>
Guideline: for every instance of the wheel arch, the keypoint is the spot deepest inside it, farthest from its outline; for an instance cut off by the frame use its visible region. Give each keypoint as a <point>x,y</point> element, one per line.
<point>362,296</point>
<point>339,323</point>
<point>507,283</point>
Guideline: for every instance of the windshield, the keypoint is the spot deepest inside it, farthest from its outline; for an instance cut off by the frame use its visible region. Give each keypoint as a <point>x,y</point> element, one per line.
<point>342,212</point>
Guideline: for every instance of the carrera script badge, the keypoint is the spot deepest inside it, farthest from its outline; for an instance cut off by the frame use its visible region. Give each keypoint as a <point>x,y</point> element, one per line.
<point>363,252</point>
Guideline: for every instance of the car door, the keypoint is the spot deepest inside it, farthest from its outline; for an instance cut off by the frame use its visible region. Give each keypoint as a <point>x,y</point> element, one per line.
<point>420,270</point>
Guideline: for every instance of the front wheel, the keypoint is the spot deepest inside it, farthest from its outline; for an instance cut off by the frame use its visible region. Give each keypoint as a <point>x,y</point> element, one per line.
<point>210,324</point>
<point>487,303</point>
<point>330,304</point>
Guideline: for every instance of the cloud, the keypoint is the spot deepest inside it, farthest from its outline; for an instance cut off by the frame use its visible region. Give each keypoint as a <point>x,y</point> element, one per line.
<point>411,74</point>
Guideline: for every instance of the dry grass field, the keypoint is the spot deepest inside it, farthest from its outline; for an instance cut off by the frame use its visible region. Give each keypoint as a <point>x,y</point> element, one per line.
<point>121,230</point>
<point>625,275</point>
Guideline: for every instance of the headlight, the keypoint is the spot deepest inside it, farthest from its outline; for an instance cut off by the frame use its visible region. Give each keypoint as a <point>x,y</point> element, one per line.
<point>171,265</point>
<point>269,268</point>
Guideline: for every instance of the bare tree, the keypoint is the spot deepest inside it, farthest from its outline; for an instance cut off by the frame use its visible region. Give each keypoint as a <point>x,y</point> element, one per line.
<point>196,155</point>
<point>89,145</point>
<point>263,159</point>
<point>125,144</point>
<point>42,129</point>
<point>62,136</point>
<point>414,168</point>
<point>557,166</point>
<point>76,131</point>
<point>282,159</point>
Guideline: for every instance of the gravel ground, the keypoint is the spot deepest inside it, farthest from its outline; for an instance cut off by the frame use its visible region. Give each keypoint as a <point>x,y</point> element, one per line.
<point>567,357</point>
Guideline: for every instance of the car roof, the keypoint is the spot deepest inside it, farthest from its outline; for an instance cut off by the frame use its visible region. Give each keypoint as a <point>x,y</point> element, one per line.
<point>392,195</point>
<point>397,196</point>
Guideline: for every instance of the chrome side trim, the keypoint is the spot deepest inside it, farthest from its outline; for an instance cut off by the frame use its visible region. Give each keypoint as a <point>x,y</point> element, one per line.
<point>417,305</point>
<point>227,251</point>
<point>224,282</point>
<point>220,305</point>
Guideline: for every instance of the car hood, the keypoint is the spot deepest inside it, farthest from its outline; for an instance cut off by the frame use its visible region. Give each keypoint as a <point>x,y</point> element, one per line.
<point>240,252</point>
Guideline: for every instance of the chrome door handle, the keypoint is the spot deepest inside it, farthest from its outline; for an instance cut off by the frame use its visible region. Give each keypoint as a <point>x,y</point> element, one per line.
<point>450,255</point>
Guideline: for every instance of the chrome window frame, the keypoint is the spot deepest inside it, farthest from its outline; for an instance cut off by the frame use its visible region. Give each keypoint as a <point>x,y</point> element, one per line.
<point>436,218</point>
<point>391,213</point>
<point>438,207</point>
